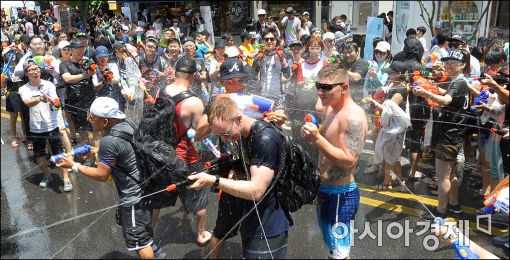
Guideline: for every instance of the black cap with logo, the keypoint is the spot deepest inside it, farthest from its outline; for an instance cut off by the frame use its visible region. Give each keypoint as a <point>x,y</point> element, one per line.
<point>232,68</point>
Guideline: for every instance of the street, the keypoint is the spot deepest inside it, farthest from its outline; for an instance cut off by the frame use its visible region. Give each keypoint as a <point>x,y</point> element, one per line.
<point>50,223</point>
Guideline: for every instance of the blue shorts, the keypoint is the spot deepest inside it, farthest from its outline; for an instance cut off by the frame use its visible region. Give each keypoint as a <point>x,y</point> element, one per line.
<point>336,207</point>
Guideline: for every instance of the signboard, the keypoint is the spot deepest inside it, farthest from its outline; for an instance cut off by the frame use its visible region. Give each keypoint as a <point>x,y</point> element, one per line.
<point>112,5</point>
<point>374,29</point>
<point>206,14</point>
<point>400,23</point>
<point>65,18</point>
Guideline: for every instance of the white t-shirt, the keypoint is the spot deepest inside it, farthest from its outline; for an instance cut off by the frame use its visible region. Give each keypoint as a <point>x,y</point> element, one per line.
<point>30,29</point>
<point>423,43</point>
<point>270,78</point>
<point>291,29</point>
<point>44,117</point>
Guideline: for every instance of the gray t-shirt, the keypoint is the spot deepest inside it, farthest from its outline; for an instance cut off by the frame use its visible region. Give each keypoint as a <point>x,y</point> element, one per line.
<point>120,151</point>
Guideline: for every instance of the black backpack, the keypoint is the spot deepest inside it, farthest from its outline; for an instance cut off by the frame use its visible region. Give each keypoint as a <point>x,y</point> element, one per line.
<point>298,180</point>
<point>154,143</point>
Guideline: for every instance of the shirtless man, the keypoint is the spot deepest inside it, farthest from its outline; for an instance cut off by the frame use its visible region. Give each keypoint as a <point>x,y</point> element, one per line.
<point>340,142</point>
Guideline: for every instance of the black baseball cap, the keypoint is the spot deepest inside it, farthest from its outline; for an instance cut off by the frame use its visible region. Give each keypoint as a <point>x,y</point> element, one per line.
<point>458,38</point>
<point>76,44</point>
<point>232,68</point>
<point>456,54</point>
<point>289,10</point>
<point>185,64</point>
<point>118,45</point>
<point>220,44</point>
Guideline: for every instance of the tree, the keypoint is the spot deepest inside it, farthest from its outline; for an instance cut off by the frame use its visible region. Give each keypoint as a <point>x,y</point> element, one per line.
<point>430,19</point>
<point>85,8</point>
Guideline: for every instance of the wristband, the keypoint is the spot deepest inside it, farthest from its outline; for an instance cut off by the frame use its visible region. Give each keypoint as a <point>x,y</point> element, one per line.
<point>75,167</point>
<point>217,181</point>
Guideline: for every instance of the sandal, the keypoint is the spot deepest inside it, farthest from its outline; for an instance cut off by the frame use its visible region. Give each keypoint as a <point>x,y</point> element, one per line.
<point>30,146</point>
<point>15,143</point>
<point>383,187</point>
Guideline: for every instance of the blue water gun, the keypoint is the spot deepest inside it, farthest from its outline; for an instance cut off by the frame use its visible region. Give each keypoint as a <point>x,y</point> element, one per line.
<point>6,71</point>
<point>463,251</point>
<point>251,105</point>
<point>81,150</point>
<point>481,99</point>
<point>312,119</point>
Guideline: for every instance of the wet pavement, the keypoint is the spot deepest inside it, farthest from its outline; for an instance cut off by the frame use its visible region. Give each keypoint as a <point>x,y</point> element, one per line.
<point>51,223</point>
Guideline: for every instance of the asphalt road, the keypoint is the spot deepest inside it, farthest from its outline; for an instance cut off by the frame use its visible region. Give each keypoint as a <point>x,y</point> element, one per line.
<point>50,223</point>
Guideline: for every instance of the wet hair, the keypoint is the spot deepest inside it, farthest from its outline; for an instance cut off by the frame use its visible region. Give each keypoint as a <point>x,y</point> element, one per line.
<point>174,40</point>
<point>350,45</point>
<point>314,40</point>
<point>334,72</point>
<point>222,108</point>
<point>495,57</point>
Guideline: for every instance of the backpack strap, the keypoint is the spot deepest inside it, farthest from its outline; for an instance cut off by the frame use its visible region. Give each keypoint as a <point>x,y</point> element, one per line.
<point>127,137</point>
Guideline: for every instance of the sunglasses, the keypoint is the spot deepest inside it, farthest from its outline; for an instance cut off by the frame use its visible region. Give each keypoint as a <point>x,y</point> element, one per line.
<point>272,39</point>
<point>227,134</point>
<point>326,87</point>
<point>379,52</point>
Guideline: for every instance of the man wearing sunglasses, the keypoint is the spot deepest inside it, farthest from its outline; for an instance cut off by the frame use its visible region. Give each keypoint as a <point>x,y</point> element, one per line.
<point>340,142</point>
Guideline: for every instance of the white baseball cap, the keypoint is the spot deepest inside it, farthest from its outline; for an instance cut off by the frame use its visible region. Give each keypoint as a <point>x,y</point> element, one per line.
<point>106,107</point>
<point>261,12</point>
<point>232,52</point>
<point>63,44</point>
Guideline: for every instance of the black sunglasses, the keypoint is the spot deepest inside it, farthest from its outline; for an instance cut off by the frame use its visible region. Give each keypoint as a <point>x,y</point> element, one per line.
<point>379,52</point>
<point>326,87</point>
<point>270,39</point>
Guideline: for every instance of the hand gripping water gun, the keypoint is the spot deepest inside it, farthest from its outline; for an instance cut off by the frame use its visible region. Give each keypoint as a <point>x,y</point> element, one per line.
<point>435,75</point>
<point>89,65</point>
<point>220,166</point>
<point>497,200</point>
<point>498,130</point>
<point>481,99</point>
<point>258,46</point>
<point>107,74</point>
<point>419,81</point>
<point>44,61</point>
<point>6,71</point>
<point>53,98</point>
<point>143,86</point>
<point>251,105</point>
<point>81,150</point>
<point>312,119</point>
<point>463,251</point>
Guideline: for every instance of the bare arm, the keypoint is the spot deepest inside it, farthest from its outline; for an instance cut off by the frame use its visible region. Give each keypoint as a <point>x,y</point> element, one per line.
<point>101,173</point>
<point>354,76</point>
<point>253,189</point>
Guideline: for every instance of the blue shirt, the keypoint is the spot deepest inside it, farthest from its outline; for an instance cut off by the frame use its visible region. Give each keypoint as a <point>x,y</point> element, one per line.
<point>124,38</point>
<point>201,51</point>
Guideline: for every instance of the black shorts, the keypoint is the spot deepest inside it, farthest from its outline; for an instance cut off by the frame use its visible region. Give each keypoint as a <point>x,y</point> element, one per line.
<point>415,136</point>
<point>39,142</point>
<point>230,211</point>
<point>13,103</point>
<point>136,226</point>
<point>79,117</point>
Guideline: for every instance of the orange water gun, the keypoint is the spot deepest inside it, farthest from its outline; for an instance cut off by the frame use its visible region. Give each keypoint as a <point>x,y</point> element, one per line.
<point>149,98</point>
<point>419,81</point>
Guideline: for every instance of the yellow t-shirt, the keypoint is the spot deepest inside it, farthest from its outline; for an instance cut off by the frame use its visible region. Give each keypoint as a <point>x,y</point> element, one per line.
<point>248,50</point>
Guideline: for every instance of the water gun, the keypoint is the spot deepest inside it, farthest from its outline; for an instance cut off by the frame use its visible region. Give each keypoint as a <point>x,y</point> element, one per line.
<point>258,46</point>
<point>149,98</point>
<point>339,58</point>
<point>81,150</point>
<point>498,200</point>
<point>44,61</point>
<point>107,74</point>
<point>312,119</point>
<point>53,98</point>
<point>281,53</point>
<point>419,81</point>
<point>435,60</point>
<point>463,251</point>
<point>191,134</point>
<point>372,66</point>
<point>435,75</point>
<point>251,105</point>
<point>211,147</point>
<point>89,65</point>
<point>498,130</point>
<point>6,70</point>
<point>481,99</point>
<point>220,166</point>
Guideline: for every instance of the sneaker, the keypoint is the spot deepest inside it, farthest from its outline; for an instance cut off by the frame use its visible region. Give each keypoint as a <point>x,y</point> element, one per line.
<point>68,186</point>
<point>455,209</point>
<point>45,182</point>
<point>427,216</point>
<point>372,169</point>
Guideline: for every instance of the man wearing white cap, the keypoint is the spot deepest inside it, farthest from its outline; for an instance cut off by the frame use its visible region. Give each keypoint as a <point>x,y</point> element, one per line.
<point>261,25</point>
<point>117,159</point>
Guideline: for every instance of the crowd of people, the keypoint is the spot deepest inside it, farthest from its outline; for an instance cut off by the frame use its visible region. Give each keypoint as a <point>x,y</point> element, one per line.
<point>77,87</point>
